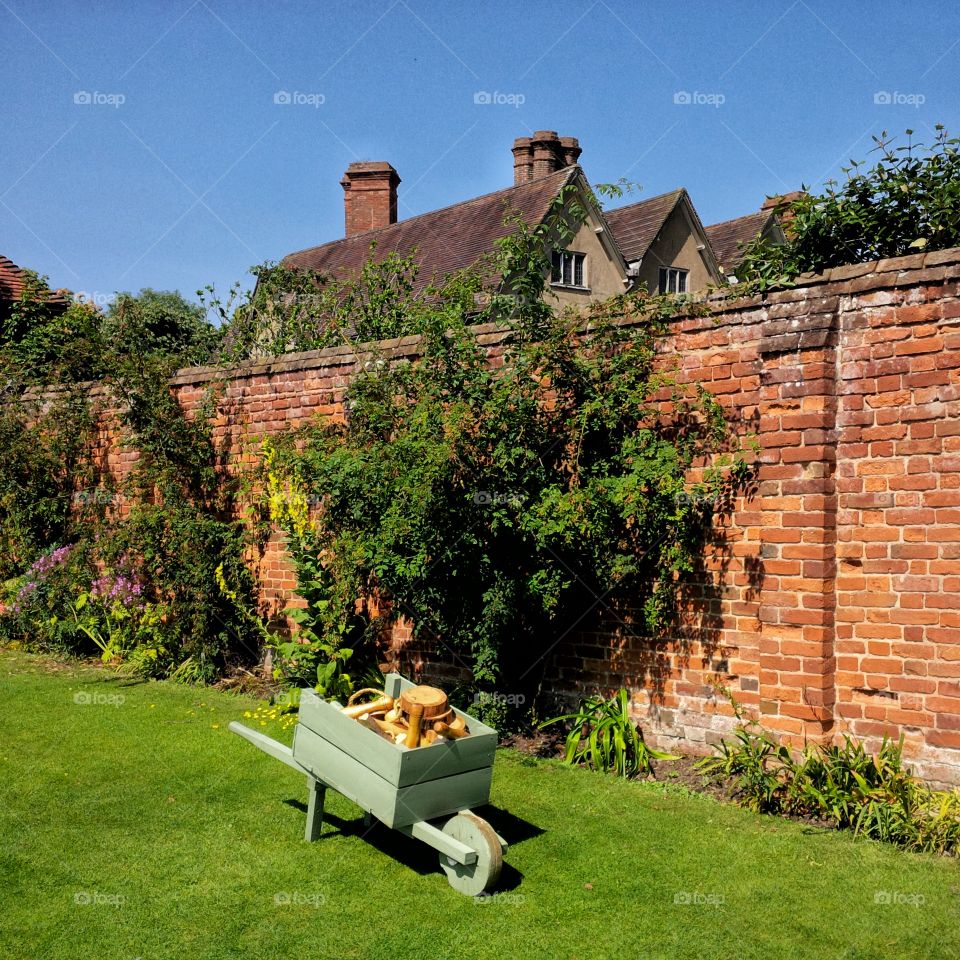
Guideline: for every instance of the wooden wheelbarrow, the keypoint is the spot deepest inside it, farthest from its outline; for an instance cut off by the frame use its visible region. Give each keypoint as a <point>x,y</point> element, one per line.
<point>408,790</point>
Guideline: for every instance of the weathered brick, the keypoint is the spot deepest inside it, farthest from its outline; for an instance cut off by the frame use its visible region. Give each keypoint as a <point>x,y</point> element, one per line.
<point>850,384</point>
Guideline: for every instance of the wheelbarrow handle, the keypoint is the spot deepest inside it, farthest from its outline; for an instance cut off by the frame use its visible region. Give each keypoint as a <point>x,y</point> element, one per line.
<point>268,745</point>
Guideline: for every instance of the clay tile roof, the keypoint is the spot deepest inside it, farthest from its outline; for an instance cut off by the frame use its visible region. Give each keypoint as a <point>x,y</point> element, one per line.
<point>441,241</point>
<point>12,282</point>
<point>729,238</point>
<point>636,226</point>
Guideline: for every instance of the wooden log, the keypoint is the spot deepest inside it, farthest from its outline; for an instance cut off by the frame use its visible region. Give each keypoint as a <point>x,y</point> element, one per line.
<point>452,730</point>
<point>431,700</point>
<point>391,730</point>
<point>416,721</point>
<point>357,710</point>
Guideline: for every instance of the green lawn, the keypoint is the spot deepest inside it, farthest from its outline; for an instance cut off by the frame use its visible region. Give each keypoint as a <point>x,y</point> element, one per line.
<point>135,825</point>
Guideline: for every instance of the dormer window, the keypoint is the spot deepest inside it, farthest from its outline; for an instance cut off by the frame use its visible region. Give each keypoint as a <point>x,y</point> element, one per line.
<point>568,269</point>
<point>673,280</point>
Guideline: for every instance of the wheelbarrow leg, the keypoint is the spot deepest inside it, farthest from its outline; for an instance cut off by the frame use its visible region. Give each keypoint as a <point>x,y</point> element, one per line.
<point>316,794</point>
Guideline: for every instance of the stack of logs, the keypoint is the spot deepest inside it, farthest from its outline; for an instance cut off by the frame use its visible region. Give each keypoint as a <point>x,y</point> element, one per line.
<point>420,717</point>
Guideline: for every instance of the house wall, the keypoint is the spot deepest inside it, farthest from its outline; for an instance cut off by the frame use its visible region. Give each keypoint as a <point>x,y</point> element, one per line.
<point>603,273</point>
<point>830,601</point>
<point>675,246</point>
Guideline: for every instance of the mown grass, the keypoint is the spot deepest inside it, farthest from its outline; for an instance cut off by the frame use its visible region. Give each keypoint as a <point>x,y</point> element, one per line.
<point>183,838</point>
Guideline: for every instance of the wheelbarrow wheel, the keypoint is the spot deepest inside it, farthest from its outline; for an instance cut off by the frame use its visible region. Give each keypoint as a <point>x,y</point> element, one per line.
<point>477,834</point>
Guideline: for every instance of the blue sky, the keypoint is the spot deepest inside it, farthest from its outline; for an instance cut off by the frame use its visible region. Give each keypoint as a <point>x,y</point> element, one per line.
<point>142,145</point>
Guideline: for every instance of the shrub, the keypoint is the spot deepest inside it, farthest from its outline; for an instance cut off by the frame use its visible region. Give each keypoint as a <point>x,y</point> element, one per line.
<point>161,323</point>
<point>908,201</point>
<point>490,506</point>
<point>44,340</point>
<point>873,795</point>
<point>176,552</point>
<point>40,602</point>
<point>604,737</point>
<point>44,470</point>
<point>759,769</point>
<point>178,533</point>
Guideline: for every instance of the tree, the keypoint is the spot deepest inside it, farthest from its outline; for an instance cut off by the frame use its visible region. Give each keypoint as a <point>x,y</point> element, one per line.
<point>160,322</point>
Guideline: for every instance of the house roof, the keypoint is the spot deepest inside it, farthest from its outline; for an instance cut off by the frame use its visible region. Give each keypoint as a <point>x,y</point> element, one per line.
<point>13,282</point>
<point>441,241</point>
<point>636,226</point>
<point>730,238</point>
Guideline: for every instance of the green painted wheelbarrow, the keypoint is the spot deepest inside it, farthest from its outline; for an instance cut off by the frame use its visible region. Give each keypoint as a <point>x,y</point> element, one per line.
<point>411,791</point>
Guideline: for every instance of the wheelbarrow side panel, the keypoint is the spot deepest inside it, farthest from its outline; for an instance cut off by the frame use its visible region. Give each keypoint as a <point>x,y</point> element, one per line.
<point>394,806</point>
<point>397,766</point>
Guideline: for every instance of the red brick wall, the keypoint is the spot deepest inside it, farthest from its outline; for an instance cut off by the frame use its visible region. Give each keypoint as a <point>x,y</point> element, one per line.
<point>831,600</point>
<point>832,603</point>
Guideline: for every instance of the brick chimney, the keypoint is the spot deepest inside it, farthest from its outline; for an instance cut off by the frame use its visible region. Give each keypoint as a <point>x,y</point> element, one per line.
<point>522,160</point>
<point>782,205</point>
<point>570,146</point>
<point>369,196</point>
<point>542,154</point>
<point>547,153</point>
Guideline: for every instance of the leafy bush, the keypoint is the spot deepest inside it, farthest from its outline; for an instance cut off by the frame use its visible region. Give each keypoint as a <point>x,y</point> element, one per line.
<point>604,737</point>
<point>44,472</point>
<point>179,530</point>
<point>160,322</point>
<point>907,202</point>
<point>488,506</point>
<point>760,769</point>
<point>291,309</point>
<point>45,340</point>
<point>873,795</point>
<point>39,604</point>
<point>176,551</point>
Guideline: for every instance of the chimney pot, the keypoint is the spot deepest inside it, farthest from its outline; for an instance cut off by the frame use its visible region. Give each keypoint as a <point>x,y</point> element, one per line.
<point>571,150</point>
<point>522,160</point>
<point>783,200</point>
<point>369,196</point>
<point>547,153</point>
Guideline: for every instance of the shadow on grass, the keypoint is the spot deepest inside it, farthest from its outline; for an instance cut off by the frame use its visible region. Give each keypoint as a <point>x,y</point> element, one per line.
<point>115,679</point>
<point>416,854</point>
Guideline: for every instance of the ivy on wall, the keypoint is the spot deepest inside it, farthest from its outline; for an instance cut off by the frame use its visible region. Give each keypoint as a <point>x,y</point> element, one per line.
<point>493,505</point>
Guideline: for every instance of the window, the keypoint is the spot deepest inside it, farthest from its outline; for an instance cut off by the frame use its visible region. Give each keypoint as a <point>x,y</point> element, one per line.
<point>568,269</point>
<point>673,280</point>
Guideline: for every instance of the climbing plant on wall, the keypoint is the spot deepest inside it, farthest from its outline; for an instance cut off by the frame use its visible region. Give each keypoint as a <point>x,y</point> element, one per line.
<point>494,505</point>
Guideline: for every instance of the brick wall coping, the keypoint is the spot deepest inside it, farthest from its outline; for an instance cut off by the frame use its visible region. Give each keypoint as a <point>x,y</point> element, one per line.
<point>723,308</point>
